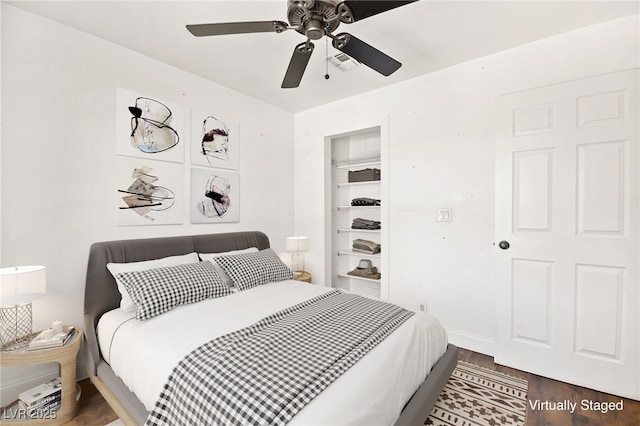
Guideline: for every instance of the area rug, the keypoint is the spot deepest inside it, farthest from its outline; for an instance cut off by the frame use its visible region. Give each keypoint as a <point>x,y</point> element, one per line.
<point>476,396</point>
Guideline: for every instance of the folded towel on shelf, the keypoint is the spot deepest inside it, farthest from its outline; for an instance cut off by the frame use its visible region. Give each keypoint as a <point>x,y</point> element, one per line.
<point>364,201</point>
<point>365,175</point>
<point>372,273</point>
<point>365,246</point>
<point>365,269</point>
<point>360,223</point>
<point>365,227</point>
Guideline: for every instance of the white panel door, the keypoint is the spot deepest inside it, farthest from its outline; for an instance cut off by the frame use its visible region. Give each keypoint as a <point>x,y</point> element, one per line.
<point>568,232</point>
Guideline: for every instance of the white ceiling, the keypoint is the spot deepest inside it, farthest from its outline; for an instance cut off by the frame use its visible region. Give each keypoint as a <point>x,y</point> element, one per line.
<point>424,36</point>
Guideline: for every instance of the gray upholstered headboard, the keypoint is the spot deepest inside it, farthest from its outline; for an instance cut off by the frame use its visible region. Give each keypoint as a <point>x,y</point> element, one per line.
<point>101,293</point>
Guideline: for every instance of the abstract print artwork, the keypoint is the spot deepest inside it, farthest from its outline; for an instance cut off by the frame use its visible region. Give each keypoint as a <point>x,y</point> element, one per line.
<point>215,142</point>
<point>214,196</point>
<point>151,130</point>
<point>149,192</point>
<point>149,127</point>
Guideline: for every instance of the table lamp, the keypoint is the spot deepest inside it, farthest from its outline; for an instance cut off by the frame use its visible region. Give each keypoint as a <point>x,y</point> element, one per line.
<point>19,286</point>
<point>297,246</point>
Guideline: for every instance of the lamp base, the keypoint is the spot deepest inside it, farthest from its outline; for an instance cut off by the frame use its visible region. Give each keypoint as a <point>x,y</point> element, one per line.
<point>297,262</point>
<point>15,327</point>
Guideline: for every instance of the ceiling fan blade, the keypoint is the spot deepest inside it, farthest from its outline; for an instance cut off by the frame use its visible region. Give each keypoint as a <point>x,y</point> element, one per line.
<point>366,54</point>
<point>361,9</point>
<point>200,30</point>
<point>297,65</point>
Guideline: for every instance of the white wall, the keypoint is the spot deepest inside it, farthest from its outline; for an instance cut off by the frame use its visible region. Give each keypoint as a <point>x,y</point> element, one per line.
<point>58,156</point>
<point>58,160</point>
<point>442,155</point>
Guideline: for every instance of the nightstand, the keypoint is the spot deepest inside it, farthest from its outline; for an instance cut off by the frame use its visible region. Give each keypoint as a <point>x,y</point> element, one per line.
<point>66,357</point>
<point>303,276</point>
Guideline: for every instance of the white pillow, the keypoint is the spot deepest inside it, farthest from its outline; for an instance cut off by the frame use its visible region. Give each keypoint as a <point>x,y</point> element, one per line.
<point>226,279</point>
<point>116,268</point>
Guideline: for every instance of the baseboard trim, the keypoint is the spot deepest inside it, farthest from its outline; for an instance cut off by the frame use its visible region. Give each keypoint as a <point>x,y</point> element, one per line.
<point>472,342</point>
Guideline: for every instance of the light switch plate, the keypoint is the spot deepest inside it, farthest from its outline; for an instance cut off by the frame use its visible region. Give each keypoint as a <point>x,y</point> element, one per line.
<point>444,215</point>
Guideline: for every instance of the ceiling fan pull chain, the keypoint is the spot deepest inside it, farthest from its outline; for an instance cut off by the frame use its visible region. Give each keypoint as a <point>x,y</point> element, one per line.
<point>326,58</point>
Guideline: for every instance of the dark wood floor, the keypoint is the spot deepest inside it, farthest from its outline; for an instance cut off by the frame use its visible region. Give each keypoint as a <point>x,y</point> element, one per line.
<point>94,411</point>
<point>541,388</point>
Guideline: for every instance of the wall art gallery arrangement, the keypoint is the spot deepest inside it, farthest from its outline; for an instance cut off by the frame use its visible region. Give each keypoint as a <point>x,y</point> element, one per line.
<point>151,145</point>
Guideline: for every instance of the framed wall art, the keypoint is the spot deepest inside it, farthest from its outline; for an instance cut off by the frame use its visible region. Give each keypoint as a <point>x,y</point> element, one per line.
<point>148,127</point>
<point>215,196</point>
<point>149,192</point>
<point>215,142</point>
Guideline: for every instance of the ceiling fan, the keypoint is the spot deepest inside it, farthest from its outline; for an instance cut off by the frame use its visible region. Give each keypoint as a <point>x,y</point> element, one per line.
<point>316,19</point>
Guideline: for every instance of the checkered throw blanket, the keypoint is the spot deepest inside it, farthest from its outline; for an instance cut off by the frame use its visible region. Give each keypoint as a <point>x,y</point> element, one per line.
<point>266,373</point>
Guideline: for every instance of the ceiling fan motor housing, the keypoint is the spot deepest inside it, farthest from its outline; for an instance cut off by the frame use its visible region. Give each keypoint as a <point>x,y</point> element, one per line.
<point>314,18</point>
<point>314,29</point>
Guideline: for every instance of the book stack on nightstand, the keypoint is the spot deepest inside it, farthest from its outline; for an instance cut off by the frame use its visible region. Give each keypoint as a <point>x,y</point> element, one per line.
<point>42,401</point>
<point>47,339</point>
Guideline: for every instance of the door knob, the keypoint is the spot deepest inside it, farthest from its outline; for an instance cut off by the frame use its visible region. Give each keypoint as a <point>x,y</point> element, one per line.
<point>504,244</point>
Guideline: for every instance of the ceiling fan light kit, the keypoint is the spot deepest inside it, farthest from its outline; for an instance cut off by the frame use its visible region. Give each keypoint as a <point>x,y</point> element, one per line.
<point>316,19</point>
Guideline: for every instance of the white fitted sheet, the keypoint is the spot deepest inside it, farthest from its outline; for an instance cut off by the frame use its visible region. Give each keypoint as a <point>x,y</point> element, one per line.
<point>372,392</point>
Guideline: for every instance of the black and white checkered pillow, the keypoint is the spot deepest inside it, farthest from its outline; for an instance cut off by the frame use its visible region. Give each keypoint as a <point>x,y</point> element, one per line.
<point>253,269</point>
<point>155,291</point>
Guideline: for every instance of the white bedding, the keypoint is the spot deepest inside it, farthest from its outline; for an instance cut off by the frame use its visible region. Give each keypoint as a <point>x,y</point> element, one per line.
<point>372,392</point>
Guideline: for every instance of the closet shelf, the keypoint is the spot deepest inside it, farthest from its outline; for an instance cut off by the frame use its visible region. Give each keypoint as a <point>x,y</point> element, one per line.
<point>356,184</point>
<point>357,253</point>
<point>365,231</point>
<point>362,162</point>
<point>358,207</point>
<point>354,277</point>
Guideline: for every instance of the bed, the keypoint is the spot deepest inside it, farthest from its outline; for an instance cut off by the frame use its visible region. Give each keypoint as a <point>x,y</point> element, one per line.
<point>116,342</point>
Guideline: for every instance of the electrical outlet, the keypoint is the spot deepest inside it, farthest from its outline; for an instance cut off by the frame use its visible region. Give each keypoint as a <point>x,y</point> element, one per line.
<point>422,306</point>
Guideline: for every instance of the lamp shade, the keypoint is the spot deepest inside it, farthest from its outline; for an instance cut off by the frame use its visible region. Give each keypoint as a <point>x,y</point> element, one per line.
<point>298,244</point>
<point>21,284</point>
